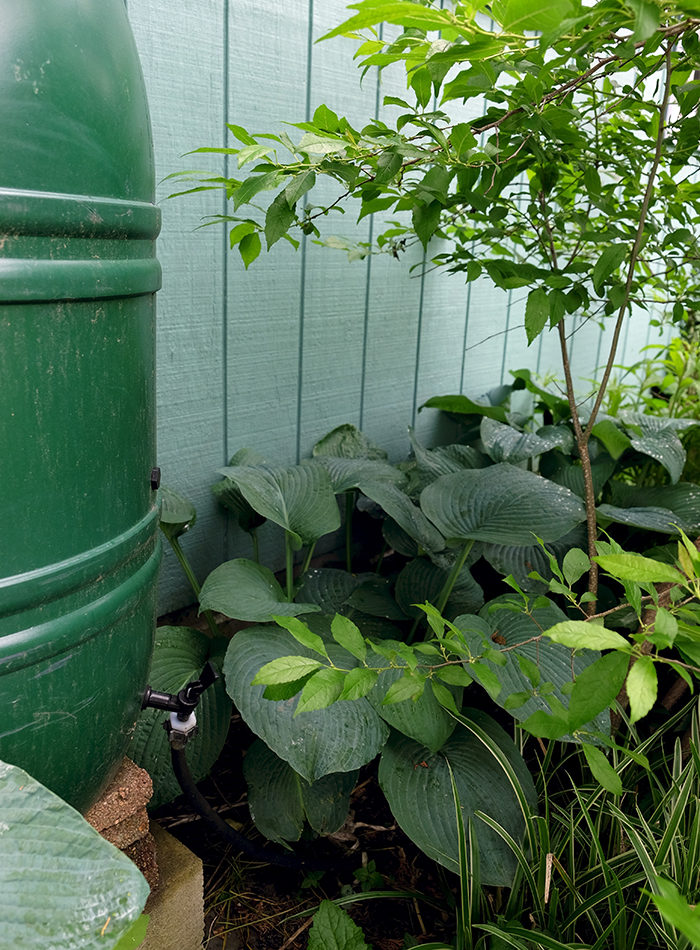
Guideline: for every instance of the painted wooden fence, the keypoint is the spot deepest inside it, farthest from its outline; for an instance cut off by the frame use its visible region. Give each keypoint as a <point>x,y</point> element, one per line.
<point>274,358</point>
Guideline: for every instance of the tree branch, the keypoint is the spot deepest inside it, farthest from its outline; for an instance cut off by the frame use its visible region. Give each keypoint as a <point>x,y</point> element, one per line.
<point>644,210</point>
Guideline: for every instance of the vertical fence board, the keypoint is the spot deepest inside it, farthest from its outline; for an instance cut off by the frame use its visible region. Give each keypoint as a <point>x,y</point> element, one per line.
<point>334,290</point>
<point>181,52</point>
<point>268,66</point>
<point>393,321</point>
<point>394,311</point>
<point>439,370</point>
<point>486,331</point>
<point>267,62</point>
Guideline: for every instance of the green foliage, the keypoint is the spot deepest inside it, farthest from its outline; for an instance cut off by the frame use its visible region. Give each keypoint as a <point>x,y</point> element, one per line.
<point>531,670</point>
<point>249,591</point>
<point>280,800</point>
<point>61,884</point>
<point>677,911</point>
<point>177,514</point>
<point>368,877</point>
<point>298,498</point>
<point>553,150</point>
<point>665,381</point>
<point>179,654</point>
<point>135,935</point>
<point>410,773</point>
<point>595,870</point>
<point>593,875</point>
<point>315,743</point>
<point>501,505</point>
<point>333,929</point>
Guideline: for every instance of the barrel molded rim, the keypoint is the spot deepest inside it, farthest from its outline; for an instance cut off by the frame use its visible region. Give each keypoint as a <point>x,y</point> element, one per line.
<point>29,280</point>
<point>45,584</point>
<point>31,646</point>
<point>41,213</point>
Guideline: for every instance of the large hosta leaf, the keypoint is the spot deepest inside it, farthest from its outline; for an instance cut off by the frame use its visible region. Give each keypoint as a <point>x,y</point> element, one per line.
<point>351,473</point>
<point>407,515</point>
<point>229,495</point>
<point>340,738</point>
<point>682,500</point>
<point>655,423</point>
<point>657,437</point>
<point>373,596</point>
<point>569,473</point>
<point>464,406</point>
<point>501,504</point>
<point>431,463</point>
<point>418,787</point>
<point>522,561</point>
<point>280,800</point>
<point>248,591</point>
<point>178,657</point>
<point>422,719</point>
<point>661,520</point>
<point>300,498</point>
<point>504,443</point>
<point>330,588</point>
<point>421,580</point>
<point>337,592</point>
<point>398,539</point>
<point>348,442</point>
<point>61,884</point>
<point>520,636</point>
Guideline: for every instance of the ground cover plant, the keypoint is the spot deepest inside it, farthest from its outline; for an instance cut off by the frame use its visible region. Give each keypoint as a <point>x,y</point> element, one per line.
<point>542,568</point>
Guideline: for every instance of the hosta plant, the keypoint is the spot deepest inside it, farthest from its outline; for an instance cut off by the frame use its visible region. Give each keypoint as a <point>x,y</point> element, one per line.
<point>595,870</point>
<point>355,665</point>
<point>61,884</point>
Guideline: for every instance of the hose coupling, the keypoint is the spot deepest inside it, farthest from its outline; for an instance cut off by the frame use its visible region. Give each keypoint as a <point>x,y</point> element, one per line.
<point>181,726</point>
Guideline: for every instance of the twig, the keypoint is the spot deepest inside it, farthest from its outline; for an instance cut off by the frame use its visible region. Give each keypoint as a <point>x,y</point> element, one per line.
<point>644,210</point>
<point>297,933</point>
<point>675,694</point>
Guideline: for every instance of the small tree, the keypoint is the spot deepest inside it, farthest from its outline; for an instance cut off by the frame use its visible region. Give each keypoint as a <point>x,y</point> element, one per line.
<point>554,147</point>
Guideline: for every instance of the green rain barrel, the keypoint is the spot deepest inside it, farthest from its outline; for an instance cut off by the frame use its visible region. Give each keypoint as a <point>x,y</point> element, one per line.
<point>78,522</point>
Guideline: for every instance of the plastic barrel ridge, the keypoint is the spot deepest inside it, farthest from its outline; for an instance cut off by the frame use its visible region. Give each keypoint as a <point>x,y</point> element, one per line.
<point>79,548</point>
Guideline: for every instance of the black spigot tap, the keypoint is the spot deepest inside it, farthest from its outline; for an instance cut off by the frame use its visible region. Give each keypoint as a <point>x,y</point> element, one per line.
<point>182,724</point>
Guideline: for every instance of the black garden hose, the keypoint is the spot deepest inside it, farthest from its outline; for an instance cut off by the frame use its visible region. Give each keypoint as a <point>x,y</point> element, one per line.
<point>180,728</point>
<point>224,830</point>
